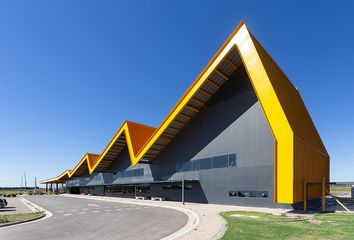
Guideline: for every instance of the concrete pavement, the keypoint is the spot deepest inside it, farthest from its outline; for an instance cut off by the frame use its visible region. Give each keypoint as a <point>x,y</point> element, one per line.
<point>209,224</point>
<point>15,205</point>
<point>75,218</point>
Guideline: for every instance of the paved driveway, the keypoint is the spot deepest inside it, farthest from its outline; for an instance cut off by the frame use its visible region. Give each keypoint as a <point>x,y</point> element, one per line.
<point>14,205</point>
<point>89,219</point>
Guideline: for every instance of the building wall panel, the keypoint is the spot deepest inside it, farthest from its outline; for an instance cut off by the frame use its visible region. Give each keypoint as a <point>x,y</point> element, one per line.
<point>310,165</point>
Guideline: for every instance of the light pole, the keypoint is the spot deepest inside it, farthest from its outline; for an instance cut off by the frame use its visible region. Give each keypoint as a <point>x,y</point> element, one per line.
<point>25,181</point>
<point>35,184</point>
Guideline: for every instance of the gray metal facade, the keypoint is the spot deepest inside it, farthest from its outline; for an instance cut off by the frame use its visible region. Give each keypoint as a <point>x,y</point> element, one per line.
<point>230,126</point>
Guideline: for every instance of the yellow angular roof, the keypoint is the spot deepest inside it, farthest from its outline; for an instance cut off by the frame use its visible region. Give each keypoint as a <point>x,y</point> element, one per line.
<point>299,151</point>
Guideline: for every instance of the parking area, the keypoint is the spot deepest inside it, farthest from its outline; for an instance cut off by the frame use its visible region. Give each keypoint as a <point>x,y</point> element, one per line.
<point>14,205</point>
<point>91,219</point>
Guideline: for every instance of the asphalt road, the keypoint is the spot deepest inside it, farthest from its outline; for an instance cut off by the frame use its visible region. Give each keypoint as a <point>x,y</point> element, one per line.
<point>75,218</point>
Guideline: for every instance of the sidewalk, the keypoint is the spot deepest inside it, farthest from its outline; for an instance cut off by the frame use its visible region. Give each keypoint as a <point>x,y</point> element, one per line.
<point>204,223</point>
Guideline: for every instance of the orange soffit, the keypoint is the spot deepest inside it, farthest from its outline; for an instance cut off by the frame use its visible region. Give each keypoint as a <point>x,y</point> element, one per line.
<point>139,134</point>
<point>93,158</point>
<point>131,135</point>
<point>82,168</point>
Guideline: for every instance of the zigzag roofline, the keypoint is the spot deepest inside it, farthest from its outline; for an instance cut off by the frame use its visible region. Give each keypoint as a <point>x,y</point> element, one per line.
<point>297,144</point>
<point>91,161</point>
<point>59,178</point>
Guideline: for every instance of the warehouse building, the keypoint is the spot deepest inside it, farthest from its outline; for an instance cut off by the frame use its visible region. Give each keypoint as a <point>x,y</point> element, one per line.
<point>239,135</point>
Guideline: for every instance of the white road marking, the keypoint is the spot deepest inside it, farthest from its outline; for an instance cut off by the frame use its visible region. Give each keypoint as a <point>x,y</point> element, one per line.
<point>74,210</point>
<point>67,214</point>
<point>93,205</point>
<point>82,212</point>
<point>118,209</point>
<point>85,209</point>
<point>107,210</point>
<point>95,211</point>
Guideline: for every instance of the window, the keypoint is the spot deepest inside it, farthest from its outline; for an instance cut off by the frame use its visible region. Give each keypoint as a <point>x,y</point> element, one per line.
<point>116,188</point>
<point>128,189</point>
<point>220,161</point>
<point>232,194</point>
<point>126,174</point>
<point>143,189</point>
<point>176,186</point>
<point>166,187</point>
<point>179,167</point>
<point>129,173</point>
<point>253,194</point>
<point>243,194</point>
<point>139,172</point>
<point>108,188</point>
<point>187,166</point>
<point>205,163</point>
<point>195,165</point>
<point>232,160</point>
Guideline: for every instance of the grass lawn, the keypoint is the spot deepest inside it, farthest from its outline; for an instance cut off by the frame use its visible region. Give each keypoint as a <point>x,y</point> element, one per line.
<point>345,188</point>
<point>252,225</point>
<point>19,217</point>
<point>11,191</point>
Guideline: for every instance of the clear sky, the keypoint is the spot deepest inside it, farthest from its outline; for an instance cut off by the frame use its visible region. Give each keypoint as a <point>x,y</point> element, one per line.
<point>72,71</point>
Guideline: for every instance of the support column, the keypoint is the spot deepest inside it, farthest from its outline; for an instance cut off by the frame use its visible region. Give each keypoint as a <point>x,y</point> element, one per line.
<point>57,187</point>
<point>51,187</point>
<point>323,209</point>
<point>135,191</point>
<point>305,195</point>
<point>183,191</point>
<point>46,187</point>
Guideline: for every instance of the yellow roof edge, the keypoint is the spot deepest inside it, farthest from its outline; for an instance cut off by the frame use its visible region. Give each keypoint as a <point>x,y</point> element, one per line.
<point>197,79</point>
<point>56,178</point>
<point>135,157</point>
<point>123,128</point>
<point>84,159</point>
<point>268,98</point>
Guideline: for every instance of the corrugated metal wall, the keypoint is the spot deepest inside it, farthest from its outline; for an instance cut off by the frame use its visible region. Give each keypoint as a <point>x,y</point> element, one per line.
<point>310,165</point>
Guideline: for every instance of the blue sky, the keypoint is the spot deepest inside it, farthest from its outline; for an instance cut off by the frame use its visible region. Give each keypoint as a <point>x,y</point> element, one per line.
<point>72,71</point>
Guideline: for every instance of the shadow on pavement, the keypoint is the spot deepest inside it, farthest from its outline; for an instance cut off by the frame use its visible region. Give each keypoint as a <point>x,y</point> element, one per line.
<point>8,209</point>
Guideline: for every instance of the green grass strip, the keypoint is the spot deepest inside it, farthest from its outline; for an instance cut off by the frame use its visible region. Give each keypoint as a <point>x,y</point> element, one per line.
<point>252,225</point>
<point>19,217</point>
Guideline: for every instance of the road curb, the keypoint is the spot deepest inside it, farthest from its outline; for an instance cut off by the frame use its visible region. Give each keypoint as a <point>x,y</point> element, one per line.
<point>26,221</point>
<point>27,204</point>
<point>193,218</point>
<point>222,229</point>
